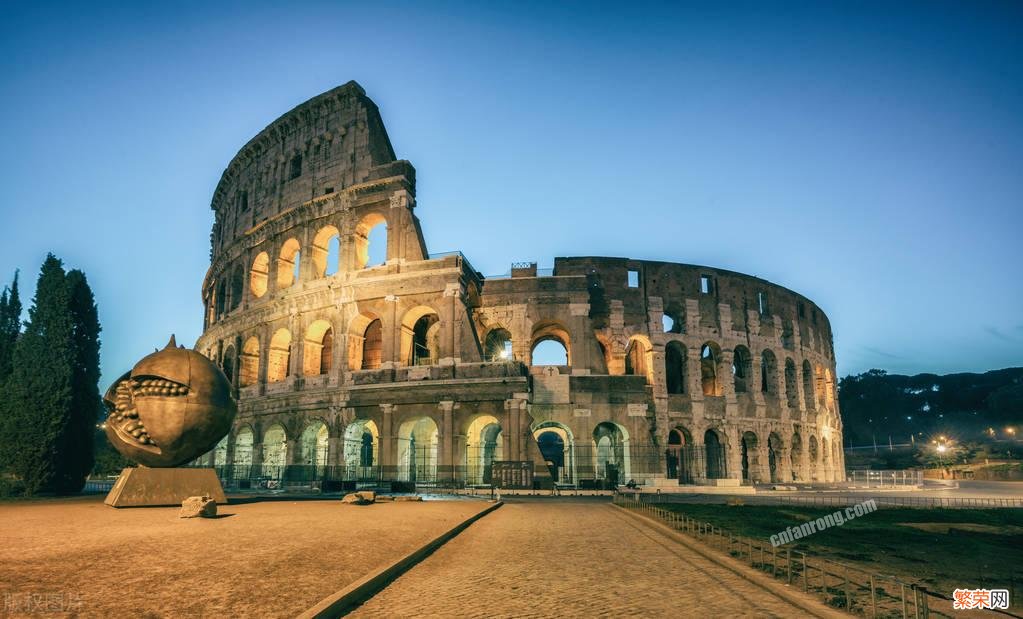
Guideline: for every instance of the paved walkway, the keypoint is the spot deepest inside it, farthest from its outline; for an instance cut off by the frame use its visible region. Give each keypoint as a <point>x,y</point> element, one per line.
<point>569,558</point>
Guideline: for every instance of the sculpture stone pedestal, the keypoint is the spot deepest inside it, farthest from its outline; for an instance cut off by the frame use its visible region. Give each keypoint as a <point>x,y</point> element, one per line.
<point>147,487</point>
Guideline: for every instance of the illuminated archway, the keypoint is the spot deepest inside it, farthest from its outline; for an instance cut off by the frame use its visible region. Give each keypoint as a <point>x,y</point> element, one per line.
<point>288,263</point>
<point>279,358</point>
<point>417,450</point>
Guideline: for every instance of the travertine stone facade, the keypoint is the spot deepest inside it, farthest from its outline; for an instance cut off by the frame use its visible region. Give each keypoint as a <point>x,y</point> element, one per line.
<point>419,367</point>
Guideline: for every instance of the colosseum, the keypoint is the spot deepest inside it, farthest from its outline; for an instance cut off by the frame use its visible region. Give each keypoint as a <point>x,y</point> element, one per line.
<point>360,357</point>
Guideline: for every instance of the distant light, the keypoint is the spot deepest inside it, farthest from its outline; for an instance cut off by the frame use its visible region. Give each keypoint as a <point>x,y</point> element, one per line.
<point>941,449</point>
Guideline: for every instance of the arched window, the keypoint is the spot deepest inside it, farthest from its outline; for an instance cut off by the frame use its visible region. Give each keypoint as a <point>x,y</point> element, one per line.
<point>768,373</point>
<point>714,455</point>
<point>638,358</point>
<point>675,367</point>
<point>741,368</point>
<point>420,336</point>
<point>710,360</point>
<point>674,318</point>
<point>551,345</point>
<point>791,390</point>
<point>319,345</point>
<point>808,396</point>
<point>288,264</point>
<point>371,241</point>
<point>260,275</point>
<point>248,371</point>
<point>237,285</point>
<point>819,387</point>
<point>219,298</point>
<point>279,357</point>
<point>326,251</point>
<point>372,346</point>
<point>498,345</point>
<point>829,390</point>
<point>227,363</point>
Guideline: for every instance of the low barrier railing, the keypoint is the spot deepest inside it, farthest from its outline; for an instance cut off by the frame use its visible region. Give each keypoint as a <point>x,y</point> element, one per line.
<point>840,585</point>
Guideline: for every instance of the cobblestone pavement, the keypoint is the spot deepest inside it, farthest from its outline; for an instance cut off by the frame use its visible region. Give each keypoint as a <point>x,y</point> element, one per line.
<point>569,558</point>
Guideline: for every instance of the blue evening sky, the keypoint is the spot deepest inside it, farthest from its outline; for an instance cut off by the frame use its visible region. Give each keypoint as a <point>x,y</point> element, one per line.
<point>868,155</point>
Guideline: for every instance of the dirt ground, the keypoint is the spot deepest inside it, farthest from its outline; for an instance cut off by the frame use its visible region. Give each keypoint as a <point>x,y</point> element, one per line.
<point>271,558</point>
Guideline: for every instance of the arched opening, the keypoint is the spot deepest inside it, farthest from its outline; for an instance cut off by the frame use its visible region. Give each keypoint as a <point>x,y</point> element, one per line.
<point>313,446</point>
<point>319,349</point>
<point>808,396</point>
<point>611,443</point>
<point>675,367</point>
<point>680,456</point>
<point>275,451</point>
<point>674,318</point>
<point>227,363</point>
<point>237,286</point>
<point>361,446</point>
<point>795,455</point>
<point>814,461</point>
<point>749,457</point>
<point>278,362</point>
<point>288,264</point>
<point>742,366</point>
<point>259,276</point>
<point>420,336</point>
<point>791,390</point>
<point>498,345</point>
<point>829,390</point>
<point>556,444</point>
<point>639,358</point>
<point>551,345</point>
<point>714,455</point>
<point>326,250</point>
<point>371,241</point>
<point>219,296</point>
<point>710,361</point>
<point>417,450</point>
<point>248,371</point>
<point>768,373</point>
<point>220,456</point>
<point>365,342</point>
<point>242,457</point>
<point>818,386</point>
<point>774,451</point>
<point>483,445</point>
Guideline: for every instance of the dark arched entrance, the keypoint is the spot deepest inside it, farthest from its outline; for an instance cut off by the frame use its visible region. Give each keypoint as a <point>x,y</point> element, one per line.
<point>552,448</point>
<point>680,456</point>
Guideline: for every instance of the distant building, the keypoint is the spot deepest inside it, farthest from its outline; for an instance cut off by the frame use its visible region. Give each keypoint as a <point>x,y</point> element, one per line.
<point>420,368</point>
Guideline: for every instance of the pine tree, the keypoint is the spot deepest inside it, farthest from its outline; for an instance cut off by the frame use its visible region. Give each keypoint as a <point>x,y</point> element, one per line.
<point>76,441</point>
<point>10,326</point>
<point>38,395</point>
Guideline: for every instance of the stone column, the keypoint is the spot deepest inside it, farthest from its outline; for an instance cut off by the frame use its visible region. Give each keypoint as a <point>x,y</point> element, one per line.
<point>391,344</point>
<point>388,466</point>
<point>446,437</point>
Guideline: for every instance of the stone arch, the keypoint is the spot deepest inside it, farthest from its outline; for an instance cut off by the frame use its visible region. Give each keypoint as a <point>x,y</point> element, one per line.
<point>775,449</point>
<point>714,455</point>
<point>808,396</point>
<point>227,363</point>
<point>674,318</point>
<point>483,445</point>
<point>768,372</point>
<point>639,358</point>
<point>675,358</point>
<point>554,332</point>
<point>557,447</point>
<point>791,390</point>
<point>248,370</point>
<point>237,286</point>
<point>417,449</point>
<point>611,452</point>
<point>288,263</point>
<point>318,348</point>
<point>749,445</point>
<point>710,369</point>
<point>365,342</point>
<point>326,251</point>
<point>313,444</point>
<point>829,390</point>
<point>742,369</point>
<point>679,455</point>
<point>818,386</point>
<point>243,446</point>
<point>361,449</point>
<point>278,363</point>
<point>796,456</point>
<point>368,225</point>
<point>219,298</point>
<point>498,345</point>
<point>259,275</point>
<point>420,336</point>
<point>275,450</point>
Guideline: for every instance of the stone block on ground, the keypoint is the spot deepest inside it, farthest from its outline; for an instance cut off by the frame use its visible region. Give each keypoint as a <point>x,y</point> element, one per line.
<point>198,507</point>
<point>355,498</point>
<point>369,495</point>
<point>414,497</point>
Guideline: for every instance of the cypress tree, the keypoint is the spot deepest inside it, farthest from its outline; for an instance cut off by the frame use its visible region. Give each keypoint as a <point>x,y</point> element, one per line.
<point>10,326</point>
<point>39,392</point>
<point>76,441</point>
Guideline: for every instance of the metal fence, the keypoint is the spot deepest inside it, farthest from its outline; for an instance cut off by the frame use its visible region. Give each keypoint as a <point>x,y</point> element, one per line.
<point>843,500</point>
<point>885,479</point>
<point>840,585</point>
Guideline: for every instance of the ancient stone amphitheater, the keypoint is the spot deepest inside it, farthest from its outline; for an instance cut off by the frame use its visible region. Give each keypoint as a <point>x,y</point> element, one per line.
<point>357,355</point>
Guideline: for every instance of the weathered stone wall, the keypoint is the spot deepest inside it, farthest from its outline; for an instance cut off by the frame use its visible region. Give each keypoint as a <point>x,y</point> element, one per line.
<point>384,347</point>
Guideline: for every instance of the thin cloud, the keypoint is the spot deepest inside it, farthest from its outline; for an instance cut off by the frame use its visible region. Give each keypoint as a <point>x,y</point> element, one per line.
<point>881,353</point>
